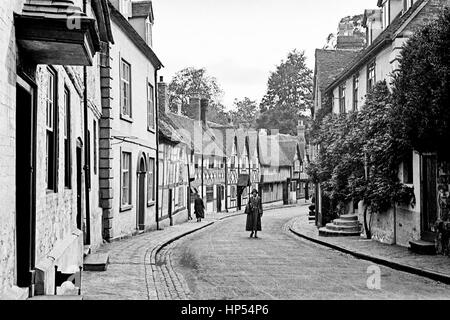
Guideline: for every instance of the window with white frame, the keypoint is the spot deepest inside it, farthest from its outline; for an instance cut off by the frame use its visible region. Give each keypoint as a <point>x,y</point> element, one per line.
<point>126,178</point>
<point>67,144</point>
<point>51,125</point>
<point>342,98</point>
<point>407,4</point>
<point>148,32</point>
<point>386,14</point>
<point>151,181</point>
<point>125,89</point>
<point>150,107</point>
<point>371,76</point>
<point>355,91</point>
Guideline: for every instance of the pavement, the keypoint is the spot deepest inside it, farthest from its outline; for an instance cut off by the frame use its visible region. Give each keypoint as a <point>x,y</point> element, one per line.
<point>436,267</point>
<point>137,268</point>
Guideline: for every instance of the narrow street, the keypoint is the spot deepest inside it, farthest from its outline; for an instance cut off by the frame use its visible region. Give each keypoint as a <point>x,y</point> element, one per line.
<point>222,262</point>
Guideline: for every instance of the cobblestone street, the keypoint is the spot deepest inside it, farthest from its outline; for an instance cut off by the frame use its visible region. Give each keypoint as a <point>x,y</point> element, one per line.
<point>220,261</point>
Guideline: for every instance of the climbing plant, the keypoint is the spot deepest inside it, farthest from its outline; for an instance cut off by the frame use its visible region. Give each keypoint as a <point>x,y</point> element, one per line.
<point>360,154</point>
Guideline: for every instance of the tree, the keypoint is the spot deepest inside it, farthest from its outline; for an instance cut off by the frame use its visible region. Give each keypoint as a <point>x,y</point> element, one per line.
<point>244,113</point>
<point>421,88</point>
<point>289,92</point>
<point>191,82</point>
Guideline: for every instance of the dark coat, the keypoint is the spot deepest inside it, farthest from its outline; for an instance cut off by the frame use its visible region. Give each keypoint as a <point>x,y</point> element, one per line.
<point>199,208</point>
<point>254,213</point>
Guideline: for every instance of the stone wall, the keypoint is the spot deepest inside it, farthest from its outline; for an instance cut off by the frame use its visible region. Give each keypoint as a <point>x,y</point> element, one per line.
<point>8,57</point>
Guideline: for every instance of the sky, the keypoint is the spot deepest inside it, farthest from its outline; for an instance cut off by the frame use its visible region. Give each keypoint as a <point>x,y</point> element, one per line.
<point>240,42</point>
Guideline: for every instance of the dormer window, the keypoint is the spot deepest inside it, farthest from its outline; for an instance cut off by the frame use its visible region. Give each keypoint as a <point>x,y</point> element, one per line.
<point>125,8</point>
<point>148,32</point>
<point>386,14</point>
<point>407,4</point>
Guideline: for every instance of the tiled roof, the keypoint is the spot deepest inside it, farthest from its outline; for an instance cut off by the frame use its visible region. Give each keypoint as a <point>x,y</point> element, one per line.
<point>272,152</point>
<point>329,64</point>
<point>377,44</point>
<point>191,130</point>
<point>167,130</point>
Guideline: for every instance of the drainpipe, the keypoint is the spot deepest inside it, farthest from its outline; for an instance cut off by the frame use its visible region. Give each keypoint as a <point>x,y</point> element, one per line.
<point>87,144</point>
<point>157,153</point>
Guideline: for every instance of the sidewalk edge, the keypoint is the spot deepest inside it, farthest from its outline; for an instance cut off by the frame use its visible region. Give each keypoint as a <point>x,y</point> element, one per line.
<point>386,262</point>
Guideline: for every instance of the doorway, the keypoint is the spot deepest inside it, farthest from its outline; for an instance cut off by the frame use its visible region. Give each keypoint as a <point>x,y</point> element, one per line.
<point>429,197</point>
<point>219,191</point>
<point>286,192</point>
<point>142,174</point>
<point>169,206</point>
<point>25,182</point>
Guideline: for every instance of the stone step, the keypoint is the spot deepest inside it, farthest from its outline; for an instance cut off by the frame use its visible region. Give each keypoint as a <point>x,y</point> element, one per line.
<point>325,232</point>
<point>349,217</point>
<point>96,262</point>
<point>350,223</point>
<point>354,228</point>
<point>422,247</point>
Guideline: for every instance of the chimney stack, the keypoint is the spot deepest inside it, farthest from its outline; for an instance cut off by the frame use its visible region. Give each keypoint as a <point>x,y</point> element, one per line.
<point>194,105</point>
<point>203,110</point>
<point>163,96</point>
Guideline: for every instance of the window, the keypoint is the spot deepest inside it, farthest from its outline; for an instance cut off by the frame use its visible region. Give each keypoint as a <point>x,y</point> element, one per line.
<point>408,169</point>
<point>51,131</point>
<point>148,32</point>
<point>209,193</point>
<point>355,91</point>
<point>67,144</point>
<point>125,89</point>
<point>407,4</point>
<point>386,14</point>
<point>95,146</point>
<point>371,76</point>
<point>151,181</point>
<point>211,162</point>
<point>150,107</point>
<point>126,179</point>
<point>342,98</point>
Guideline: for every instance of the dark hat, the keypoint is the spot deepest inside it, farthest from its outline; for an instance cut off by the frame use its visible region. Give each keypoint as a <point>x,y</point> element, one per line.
<point>254,191</point>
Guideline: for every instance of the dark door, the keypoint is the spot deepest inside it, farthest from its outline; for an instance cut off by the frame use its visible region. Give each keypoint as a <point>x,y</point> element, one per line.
<point>79,184</point>
<point>25,205</point>
<point>141,195</point>
<point>219,198</point>
<point>142,174</point>
<point>239,197</point>
<point>169,206</point>
<point>429,208</point>
<point>285,192</point>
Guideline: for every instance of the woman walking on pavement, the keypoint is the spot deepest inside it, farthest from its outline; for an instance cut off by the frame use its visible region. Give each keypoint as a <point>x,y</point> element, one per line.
<point>254,213</point>
<point>199,208</point>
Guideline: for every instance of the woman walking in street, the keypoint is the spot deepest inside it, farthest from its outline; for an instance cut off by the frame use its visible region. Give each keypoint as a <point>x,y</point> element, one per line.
<point>254,213</point>
<point>199,208</point>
